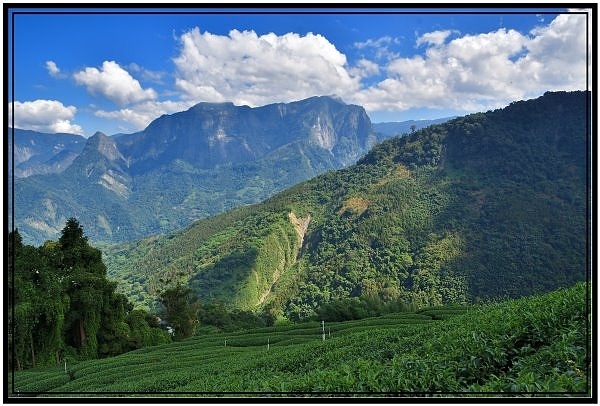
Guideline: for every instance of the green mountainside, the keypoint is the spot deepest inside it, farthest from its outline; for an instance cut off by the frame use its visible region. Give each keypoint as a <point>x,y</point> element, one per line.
<point>490,205</point>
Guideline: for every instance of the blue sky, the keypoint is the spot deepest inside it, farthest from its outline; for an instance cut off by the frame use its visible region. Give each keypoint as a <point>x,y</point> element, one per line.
<point>108,72</point>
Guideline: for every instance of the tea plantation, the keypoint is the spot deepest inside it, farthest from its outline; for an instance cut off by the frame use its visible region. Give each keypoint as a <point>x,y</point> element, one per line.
<point>535,346</point>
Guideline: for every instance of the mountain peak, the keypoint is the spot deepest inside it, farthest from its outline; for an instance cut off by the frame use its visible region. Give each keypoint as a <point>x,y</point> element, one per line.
<point>98,134</point>
<point>464,210</point>
<point>212,106</point>
<point>329,97</point>
<point>105,145</point>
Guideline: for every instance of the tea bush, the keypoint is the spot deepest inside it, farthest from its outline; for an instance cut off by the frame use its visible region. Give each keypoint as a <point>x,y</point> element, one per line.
<point>536,345</point>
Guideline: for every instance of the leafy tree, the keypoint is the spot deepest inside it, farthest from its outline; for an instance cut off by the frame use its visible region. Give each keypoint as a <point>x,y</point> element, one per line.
<point>180,310</point>
<point>85,282</point>
<point>61,302</point>
<point>144,330</point>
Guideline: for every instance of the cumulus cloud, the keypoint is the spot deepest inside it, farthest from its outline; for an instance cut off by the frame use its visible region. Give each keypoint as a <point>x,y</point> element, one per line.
<point>44,116</point>
<point>246,68</point>
<point>483,71</point>
<point>140,115</point>
<point>365,68</point>
<point>434,37</point>
<point>114,83</point>
<point>557,52</point>
<point>53,70</point>
<point>474,72</point>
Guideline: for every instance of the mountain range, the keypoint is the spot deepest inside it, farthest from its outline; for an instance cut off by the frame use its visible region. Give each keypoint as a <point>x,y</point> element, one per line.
<point>38,153</point>
<point>483,207</point>
<point>182,167</point>
<point>404,127</point>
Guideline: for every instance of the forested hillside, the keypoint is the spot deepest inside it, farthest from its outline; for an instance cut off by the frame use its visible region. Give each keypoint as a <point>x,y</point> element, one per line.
<point>491,205</point>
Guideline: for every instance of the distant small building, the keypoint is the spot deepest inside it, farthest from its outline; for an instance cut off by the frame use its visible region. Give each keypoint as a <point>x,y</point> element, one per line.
<point>165,326</point>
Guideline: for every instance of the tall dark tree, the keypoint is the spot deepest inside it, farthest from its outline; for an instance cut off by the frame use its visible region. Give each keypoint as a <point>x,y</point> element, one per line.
<point>181,310</point>
<point>85,281</point>
<point>15,245</point>
<point>72,235</point>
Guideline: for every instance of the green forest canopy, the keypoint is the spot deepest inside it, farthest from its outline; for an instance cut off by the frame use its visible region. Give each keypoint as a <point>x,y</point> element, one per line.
<point>63,306</point>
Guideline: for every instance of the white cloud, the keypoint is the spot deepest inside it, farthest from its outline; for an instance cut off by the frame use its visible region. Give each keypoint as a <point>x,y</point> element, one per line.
<point>139,116</point>
<point>53,70</point>
<point>376,43</point>
<point>379,48</point>
<point>451,72</point>
<point>147,74</point>
<point>44,116</point>
<point>255,70</point>
<point>483,71</point>
<point>365,68</point>
<point>434,38</point>
<point>114,83</point>
<point>560,47</point>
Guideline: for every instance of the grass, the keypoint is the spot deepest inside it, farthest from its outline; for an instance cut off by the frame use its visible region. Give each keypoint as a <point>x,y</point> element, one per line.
<point>532,346</point>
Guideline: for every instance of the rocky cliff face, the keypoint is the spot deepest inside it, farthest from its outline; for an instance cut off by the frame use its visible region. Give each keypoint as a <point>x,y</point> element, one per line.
<point>211,134</point>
